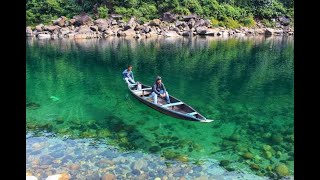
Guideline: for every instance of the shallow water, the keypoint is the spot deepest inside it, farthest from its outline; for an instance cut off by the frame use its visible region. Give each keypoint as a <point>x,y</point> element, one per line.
<point>75,90</point>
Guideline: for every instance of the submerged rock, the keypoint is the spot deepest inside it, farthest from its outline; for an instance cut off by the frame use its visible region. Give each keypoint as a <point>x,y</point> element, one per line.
<point>282,170</point>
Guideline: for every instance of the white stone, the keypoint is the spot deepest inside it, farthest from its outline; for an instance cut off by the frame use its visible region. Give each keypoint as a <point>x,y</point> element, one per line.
<point>31,178</point>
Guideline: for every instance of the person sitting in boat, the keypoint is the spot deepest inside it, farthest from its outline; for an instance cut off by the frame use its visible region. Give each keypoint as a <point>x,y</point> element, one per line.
<point>158,89</point>
<point>127,75</point>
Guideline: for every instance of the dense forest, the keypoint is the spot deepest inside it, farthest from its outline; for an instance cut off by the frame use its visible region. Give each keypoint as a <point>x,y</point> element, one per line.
<point>228,13</point>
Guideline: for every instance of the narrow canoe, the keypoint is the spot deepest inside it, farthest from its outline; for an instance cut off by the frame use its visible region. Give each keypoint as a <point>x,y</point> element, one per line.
<point>176,108</point>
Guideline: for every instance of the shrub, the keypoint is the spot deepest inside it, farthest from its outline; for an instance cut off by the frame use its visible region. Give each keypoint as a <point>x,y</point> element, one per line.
<point>103,11</point>
<point>214,22</point>
<point>231,23</point>
<point>248,21</point>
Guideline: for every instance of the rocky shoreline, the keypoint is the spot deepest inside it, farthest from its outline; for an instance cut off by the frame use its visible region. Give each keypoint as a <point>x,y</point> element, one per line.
<point>169,25</point>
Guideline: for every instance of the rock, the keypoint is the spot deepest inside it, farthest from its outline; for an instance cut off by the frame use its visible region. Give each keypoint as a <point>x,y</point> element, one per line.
<point>94,28</point>
<point>277,138</point>
<point>29,32</point>
<point>171,34</point>
<point>80,36</point>
<point>224,163</point>
<point>155,22</point>
<point>189,17</point>
<point>74,167</point>
<point>100,22</point>
<point>201,30</point>
<point>268,32</point>
<point>84,29</point>
<point>54,36</point>
<point>132,23</point>
<point>82,19</point>
<point>168,17</point>
<point>284,21</point>
<point>31,178</point>
<point>247,155</point>
<point>64,30</point>
<point>108,177</point>
<point>61,21</point>
<point>129,32</point>
<point>278,32</point>
<point>157,178</point>
<point>139,164</point>
<point>282,170</point>
<point>116,16</point>
<point>191,23</point>
<point>70,35</point>
<point>186,33</point>
<point>259,31</point>
<point>50,28</point>
<point>103,28</point>
<point>63,176</point>
<point>114,22</point>
<point>44,36</point>
<point>39,27</point>
<point>72,21</point>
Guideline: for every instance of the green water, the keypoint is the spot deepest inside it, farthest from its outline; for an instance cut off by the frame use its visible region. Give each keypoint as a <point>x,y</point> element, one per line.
<point>75,89</point>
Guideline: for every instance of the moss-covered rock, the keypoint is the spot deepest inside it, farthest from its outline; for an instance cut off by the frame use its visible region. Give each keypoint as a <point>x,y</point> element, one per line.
<point>267,154</point>
<point>168,154</point>
<point>234,137</point>
<point>282,170</point>
<point>224,163</point>
<point>104,133</point>
<point>247,155</point>
<point>255,167</point>
<point>277,138</point>
<point>182,158</point>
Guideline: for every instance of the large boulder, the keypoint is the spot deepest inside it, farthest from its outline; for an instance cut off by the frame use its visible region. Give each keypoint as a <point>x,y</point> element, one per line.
<point>44,36</point>
<point>129,32</point>
<point>268,32</point>
<point>284,21</point>
<point>82,19</point>
<point>155,22</point>
<point>50,28</point>
<point>186,33</point>
<point>202,22</point>
<point>189,17</point>
<point>168,17</point>
<point>61,21</point>
<point>131,23</point>
<point>201,30</point>
<point>64,31</point>
<point>94,28</point>
<point>29,32</point>
<point>39,27</point>
<point>100,22</point>
<point>191,23</point>
<point>103,27</point>
<point>84,29</point>
<point>171,34</point>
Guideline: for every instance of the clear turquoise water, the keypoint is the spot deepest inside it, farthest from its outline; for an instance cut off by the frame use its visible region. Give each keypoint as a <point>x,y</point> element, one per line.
<point>74,89</point>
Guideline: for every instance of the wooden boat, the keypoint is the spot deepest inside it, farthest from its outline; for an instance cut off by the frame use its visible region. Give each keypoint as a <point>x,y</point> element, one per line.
<point>176,108</point>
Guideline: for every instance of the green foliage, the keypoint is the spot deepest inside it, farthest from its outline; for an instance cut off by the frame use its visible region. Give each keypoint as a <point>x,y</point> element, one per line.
<point>193,6</point>
<point>103,11</point>
<point>149,11</point>
<point>231,23</point>
<point>214,22</point>
<point>181,10</point>
<point>248,21</point>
